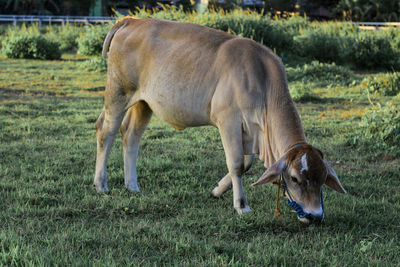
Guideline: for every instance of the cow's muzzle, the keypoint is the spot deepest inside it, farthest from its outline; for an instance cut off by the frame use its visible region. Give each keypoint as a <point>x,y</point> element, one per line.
<point>312,218</point>
<point>303,214</point>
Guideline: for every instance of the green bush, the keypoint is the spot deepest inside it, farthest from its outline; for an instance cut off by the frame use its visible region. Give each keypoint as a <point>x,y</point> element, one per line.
<point>97,64</point>
<point>322,73</point>
<point>90,43</point>
<point>381,125</point>
<point>386,84</point>
<point>3,29</point>
<point>31,46</point>
<point>316,43</point>
<point>66,36</point>
<point>367,51</point>
<point>294,24</point>
<point>393,35</point>
<point>301,92</point>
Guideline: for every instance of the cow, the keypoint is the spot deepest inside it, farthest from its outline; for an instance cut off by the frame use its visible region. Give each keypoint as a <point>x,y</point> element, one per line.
<point>191,75</point>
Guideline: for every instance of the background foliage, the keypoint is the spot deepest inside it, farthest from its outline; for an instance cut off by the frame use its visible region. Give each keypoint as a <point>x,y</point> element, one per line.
<point>31,46</point>
<point>339,43</point>
<point>382,125</point>
<point>385,84</point>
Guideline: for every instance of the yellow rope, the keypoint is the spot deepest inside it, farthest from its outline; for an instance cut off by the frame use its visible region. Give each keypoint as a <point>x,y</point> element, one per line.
<point>278,184</point>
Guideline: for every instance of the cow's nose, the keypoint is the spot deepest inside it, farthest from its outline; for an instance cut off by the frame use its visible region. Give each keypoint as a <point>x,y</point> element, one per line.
<point>316,218</point>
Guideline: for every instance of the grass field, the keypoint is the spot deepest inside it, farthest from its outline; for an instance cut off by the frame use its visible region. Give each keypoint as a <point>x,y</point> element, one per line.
<point>50,214</point>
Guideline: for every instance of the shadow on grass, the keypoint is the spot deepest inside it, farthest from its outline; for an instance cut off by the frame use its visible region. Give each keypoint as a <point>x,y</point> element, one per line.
<point>321,100</point>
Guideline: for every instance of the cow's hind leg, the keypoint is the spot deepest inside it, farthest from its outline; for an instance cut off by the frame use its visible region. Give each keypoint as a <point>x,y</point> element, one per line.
<point>225,183</point>
<point>132,128</point>
<point>106,127</point>
<point>231,135</point>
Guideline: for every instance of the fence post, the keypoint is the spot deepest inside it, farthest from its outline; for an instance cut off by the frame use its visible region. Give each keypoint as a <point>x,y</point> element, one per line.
<point>15,21</point>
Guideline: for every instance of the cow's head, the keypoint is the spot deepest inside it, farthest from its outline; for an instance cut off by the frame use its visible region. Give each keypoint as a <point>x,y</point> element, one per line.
<point>304,171</point>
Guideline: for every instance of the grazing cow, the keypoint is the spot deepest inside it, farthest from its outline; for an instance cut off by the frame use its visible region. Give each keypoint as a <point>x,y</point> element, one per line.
<point>190,75</point>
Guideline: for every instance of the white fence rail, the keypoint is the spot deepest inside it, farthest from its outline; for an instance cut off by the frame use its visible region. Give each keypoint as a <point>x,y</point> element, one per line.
<point>87,20</point>
<point>54,19</point>
<point>376,25</point>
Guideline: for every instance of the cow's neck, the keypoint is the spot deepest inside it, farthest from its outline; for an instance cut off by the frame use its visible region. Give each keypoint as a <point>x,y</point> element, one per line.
<point>284,128</point>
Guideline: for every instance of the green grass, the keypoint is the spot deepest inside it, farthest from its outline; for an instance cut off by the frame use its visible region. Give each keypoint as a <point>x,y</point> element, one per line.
<point>50,214</point>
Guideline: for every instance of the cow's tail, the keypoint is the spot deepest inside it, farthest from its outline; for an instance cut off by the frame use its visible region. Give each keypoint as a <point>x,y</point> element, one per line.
<point>118,26</point>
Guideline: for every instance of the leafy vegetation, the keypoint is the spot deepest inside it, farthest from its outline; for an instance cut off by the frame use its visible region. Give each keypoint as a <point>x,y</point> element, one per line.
<point>31,46</point>
<point>382,125</point>
<point>339,43</point>
<point>321,74</point>
<point>90,43</point>
<point>317,43</point>
<point>301,92</point>
<point>385,83</point>
<point>66,35</point>
<point>97,64</point>
<point>367,51</point>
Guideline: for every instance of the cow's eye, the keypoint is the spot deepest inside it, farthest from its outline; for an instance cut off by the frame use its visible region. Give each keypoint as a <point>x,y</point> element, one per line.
<point>294,180</point>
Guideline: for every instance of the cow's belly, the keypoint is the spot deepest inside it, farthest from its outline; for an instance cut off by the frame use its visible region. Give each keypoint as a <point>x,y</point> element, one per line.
<point>179,110</point>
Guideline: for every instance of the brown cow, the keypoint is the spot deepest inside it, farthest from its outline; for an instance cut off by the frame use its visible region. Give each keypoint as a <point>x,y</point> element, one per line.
<point>190,75</point>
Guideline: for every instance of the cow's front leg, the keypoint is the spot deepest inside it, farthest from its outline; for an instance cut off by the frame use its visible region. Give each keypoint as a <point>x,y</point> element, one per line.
<point>132,128</point>
<point>225,183</point>
<point>231,135</point>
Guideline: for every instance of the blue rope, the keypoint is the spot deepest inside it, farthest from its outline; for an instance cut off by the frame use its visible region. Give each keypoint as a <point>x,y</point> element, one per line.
<point>299,210</point>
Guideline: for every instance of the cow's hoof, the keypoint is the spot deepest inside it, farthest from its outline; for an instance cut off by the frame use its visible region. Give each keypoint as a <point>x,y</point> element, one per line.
<point>241,211</point>
<point>133,189</point>
<point>101,188</point>
<point>215,193</point>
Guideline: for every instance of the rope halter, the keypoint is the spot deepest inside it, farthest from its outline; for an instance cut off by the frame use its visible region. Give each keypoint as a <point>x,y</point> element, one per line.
<point>299,210</point>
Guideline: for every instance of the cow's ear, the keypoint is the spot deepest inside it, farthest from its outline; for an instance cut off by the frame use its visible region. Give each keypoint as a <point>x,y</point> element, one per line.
<point>332,180</point>
<point>272,173</point>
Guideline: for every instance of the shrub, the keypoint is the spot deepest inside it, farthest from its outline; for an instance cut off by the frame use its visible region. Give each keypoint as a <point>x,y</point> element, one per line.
<point>294,24</point>
<point>322,73</point>
<point>345,44</point>
<point>301,92</point>
<point>393,35</point>
<point>3,29</point>
<point>33,46</point>
<point>368,51</point>
<point>91,42</point>
<point>386,84</point>
<point>319,44</point>
<point>381,125</point>
<point>97,64</point>
<point>66,36</point>
<point>259,29</point>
